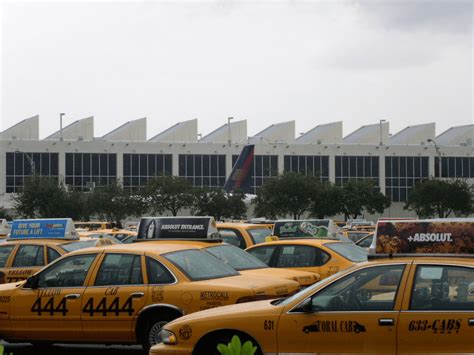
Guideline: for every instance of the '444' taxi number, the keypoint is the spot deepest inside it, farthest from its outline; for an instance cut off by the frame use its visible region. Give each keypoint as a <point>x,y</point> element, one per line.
<point>41,306</point>
<point>104,309</point>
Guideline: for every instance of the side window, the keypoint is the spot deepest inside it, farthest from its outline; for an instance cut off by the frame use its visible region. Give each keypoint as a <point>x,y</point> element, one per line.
<point>120,269</point>
<point>52,254</point>
<point>69,272</point>
<point>263,253</point>
<point>370,289</point>
<point>301,256</point>
<point>29,255</point>
<point>443,288</point>
<point>157,273</point>
<point>5,252</point>
<point>232,237</point>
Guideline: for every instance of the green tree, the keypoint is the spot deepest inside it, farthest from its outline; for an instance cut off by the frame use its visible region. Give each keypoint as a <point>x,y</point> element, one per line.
<point>326,200</point>
<point>219,204</point>
<point>287,194</point>
<point>435,197</point>
<point>169,194</point>
<point>113,203</point>
<point>357,196</point>
<point>40,197</point>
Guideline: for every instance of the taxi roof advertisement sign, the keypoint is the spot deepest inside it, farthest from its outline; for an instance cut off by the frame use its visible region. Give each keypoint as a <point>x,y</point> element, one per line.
<point>177,228</point>
<point>437,236</point>
<point>40,228</point>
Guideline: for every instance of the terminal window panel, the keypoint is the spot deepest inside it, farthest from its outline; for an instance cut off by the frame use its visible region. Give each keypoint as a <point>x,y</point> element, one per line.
<point>264,167</point>
<point>357,168</point>
<point>84,170</point>
<point>402,174</point>
<point>203,170</point>
<point>138,169</point>
<point>309,165</point>
<point>20,166</point>
<point>455,167</point>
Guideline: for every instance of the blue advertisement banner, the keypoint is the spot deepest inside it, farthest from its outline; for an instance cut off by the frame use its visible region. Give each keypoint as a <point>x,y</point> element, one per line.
<point>39,228</point>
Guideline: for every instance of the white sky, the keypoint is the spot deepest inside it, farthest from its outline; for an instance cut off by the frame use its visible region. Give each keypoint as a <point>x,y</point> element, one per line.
<point>409,62</point>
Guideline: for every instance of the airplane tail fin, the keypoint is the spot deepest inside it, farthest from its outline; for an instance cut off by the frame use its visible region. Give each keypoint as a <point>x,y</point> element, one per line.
<point>239,178</point>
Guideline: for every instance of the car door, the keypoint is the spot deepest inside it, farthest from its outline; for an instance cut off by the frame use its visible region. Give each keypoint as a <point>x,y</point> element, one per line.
<point>114,298</point>
<point>48,305</point>
<point>356,313</point>
<point>439,314</point>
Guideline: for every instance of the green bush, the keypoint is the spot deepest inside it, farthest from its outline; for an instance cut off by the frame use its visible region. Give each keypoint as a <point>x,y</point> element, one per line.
<point>235,347</point>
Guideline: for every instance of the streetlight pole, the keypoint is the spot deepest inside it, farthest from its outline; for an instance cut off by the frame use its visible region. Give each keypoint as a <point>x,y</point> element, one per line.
<point>229,140</point>
<point>61,126</point>
<point>439,155</point>
<point>381,133</point>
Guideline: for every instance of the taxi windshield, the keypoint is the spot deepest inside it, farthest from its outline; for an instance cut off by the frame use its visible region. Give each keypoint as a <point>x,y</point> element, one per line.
<point>258,235</point>
<point>68,247</point>
<point>199,265</point>
<point>349,251</point>
<point>236,257</point>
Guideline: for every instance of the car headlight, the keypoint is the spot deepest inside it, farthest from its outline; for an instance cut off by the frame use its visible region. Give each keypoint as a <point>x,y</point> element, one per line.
<point>168,337</point>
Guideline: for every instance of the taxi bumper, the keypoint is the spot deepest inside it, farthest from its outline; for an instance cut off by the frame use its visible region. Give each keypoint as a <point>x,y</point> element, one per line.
<point>162,349</point>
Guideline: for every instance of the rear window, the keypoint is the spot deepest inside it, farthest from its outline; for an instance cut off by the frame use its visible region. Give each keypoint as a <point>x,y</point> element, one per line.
<point>78,245</point>
<point>236,257</point>
<point>199,265</point>
<point>5,252</point>
<point>349,251</point>
<point>258,235</point>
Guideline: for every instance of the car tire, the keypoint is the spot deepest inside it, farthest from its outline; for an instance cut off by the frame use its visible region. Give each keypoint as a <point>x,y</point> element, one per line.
<point>152,328</point>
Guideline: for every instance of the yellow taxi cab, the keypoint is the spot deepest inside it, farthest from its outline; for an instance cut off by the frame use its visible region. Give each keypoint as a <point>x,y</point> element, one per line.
<point>199,237</point>
<point>35,243</point>
<point>415,296</point>
<point>118,234</point>
<point>243,235</point>
<point>124,294</point>
<point>324,256</point>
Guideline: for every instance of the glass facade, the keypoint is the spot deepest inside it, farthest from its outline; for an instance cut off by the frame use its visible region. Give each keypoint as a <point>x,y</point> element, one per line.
<point>455,167</point>
<point>20,165</point>
<point>203,170</point>
<point>264,167</point>
<point>83,169</point>
<point>310,165</point>
<point>402,174</point>
<point>139,168</point>
<point>357,168</point>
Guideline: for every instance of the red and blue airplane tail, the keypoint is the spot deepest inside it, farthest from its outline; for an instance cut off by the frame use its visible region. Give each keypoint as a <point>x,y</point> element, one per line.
<point>240,177</point>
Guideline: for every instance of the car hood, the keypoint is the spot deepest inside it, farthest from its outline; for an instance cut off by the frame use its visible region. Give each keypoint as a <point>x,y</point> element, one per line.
<point>304,278</point>
<point>228,312</point>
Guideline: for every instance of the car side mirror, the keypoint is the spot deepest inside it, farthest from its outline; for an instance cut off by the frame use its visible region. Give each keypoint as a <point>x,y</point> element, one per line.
<point>31,282</point>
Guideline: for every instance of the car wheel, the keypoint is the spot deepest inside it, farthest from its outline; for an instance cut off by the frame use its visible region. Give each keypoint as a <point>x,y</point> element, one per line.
<point>152,330</point>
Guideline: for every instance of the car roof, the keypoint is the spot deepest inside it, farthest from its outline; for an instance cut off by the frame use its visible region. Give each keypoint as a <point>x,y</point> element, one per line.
<point>300,241</point>
<point>148,246</point>
<point>438,259</point>
<point>242,225</point>
<point>41,241</point>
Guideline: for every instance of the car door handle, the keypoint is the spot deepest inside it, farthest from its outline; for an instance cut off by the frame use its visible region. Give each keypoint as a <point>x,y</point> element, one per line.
<point>137,295</point>
<point>471,322</point>
<point>72,296</point>
<point>386,322</point>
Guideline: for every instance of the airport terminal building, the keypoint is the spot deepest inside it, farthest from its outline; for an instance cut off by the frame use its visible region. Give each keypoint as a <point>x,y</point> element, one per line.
<point>394,162</point>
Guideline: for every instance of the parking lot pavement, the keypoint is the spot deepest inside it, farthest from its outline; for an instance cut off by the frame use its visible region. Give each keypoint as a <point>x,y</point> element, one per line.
<point>71,349</point>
